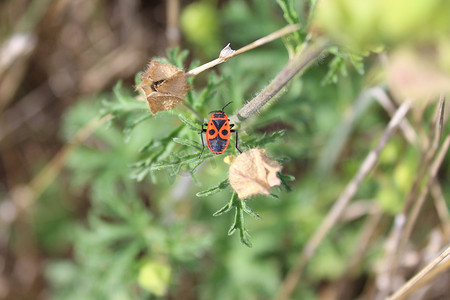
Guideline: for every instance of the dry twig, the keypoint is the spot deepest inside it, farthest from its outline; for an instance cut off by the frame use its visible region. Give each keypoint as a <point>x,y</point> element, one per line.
<point>423,276</point>
<point>228,53</point>
<point>295,274</point>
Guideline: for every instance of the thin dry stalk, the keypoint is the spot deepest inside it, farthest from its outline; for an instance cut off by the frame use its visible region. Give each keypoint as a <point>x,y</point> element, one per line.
<point>48,174</point>
<point>421,200</point>
<point>426,157</point>
<point>433,168</point>
<point>364,240</point>
<point>441,207</point>
<point>398,239</point>
<point>172,29</point>
<point>405,127</point>
<point>227,53</point>
<point>412,138</point>
<point>295,274</point>
<point>422,277</point>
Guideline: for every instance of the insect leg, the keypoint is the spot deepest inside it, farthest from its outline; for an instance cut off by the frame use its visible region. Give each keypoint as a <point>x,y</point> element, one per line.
<point>201,135</point>
<point>237,138</point>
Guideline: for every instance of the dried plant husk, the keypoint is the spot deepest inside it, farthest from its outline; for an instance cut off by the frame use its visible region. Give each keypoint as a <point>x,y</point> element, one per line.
<point>163,85</point>
<point>252,173</point>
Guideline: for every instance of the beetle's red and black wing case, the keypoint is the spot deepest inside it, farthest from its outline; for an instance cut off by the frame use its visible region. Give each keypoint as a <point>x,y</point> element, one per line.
<point>218,132</point>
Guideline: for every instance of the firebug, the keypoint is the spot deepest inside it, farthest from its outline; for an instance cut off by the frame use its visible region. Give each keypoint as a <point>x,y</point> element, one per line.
<point>218,132</point>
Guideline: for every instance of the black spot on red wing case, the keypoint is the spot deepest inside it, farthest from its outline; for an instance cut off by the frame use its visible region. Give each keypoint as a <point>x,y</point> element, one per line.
<point>217,145</point>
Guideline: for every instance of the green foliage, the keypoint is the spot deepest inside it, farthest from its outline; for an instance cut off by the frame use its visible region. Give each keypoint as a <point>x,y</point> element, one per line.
<point>178,150</point>
<point>150,224</point>
<point>294,40</point>
<point>338,65</point>
<point>365,25</point>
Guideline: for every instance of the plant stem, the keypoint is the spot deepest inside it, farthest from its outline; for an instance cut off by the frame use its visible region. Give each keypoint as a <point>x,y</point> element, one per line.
<point>313,243</point>
<point>297,64</point>
<point>228,53</point>
<point>416,281</point>
<point>48,174</point>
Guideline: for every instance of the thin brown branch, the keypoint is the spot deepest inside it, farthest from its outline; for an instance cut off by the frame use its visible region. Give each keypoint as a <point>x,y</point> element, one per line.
<point>399,234</point>
<point>295,274</point>
<point>412,138</point>
<point>441,207</point>
<point>172,29</point>
<point>421,277</point>
<point>43,179</point>
<point>227,53</point>
<point>422,197</point>
<point>405,127</point>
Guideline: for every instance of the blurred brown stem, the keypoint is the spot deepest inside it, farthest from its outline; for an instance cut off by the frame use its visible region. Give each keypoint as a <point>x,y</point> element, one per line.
<point>423,276</point>
<point>44,178</point>
<point>172,29</point>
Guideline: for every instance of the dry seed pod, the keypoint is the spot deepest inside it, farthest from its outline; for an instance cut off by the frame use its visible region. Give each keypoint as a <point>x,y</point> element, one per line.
<point>252,172</point>
<point>164,86</point>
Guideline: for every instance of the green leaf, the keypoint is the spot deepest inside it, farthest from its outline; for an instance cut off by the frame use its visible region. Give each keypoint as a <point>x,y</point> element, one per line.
<point>239,221</point>
<point>294,40</point>
<point>176,57</point>
<point>224,209</point>
<point>284,179</point>
<point>213,190</point>
<point>289,13</point>
<point>337,65</point>
<point>263,140</point>
<point>190,124</point>
<point>187,142</point>
<point>250,212</point>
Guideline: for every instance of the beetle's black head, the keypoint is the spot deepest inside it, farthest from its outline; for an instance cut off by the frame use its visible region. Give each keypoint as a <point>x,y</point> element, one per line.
<point>221,111</point>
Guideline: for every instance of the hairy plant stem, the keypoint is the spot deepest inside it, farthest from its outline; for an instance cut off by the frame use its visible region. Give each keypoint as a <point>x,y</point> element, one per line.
<point>297,64</point>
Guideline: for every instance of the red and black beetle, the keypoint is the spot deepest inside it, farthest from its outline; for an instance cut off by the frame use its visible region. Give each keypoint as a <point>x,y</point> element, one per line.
<point>218,132</point>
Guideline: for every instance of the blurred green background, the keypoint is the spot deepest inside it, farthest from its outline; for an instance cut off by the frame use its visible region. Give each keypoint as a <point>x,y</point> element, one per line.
<point>75,223</point>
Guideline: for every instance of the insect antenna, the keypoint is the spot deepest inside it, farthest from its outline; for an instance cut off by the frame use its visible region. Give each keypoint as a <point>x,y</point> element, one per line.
<point>222,108</point>
<point>227,105</point>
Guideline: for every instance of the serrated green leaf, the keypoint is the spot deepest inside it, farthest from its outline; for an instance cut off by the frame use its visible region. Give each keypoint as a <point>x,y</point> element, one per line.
<point>284,179</point>
<point>294,40</point>
<point>357,62</point>
<point>187,142</point>
<point>189,123</point>
<point>187,159</point>
<point>239,222</point>
<point>177,57</point>
<point>213,190</point>
<point>232,229</point>
<point>250,212</point>
<point>245,238</point>
<point>289,13</point>
<point>224,209</point>
<point>259,142</point>
<point>283,159</point>
<point>338,65</point>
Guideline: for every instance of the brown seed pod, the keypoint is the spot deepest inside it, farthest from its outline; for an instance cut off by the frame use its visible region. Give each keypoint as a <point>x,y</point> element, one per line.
<point>252,173</point>
<point>164,86</point>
